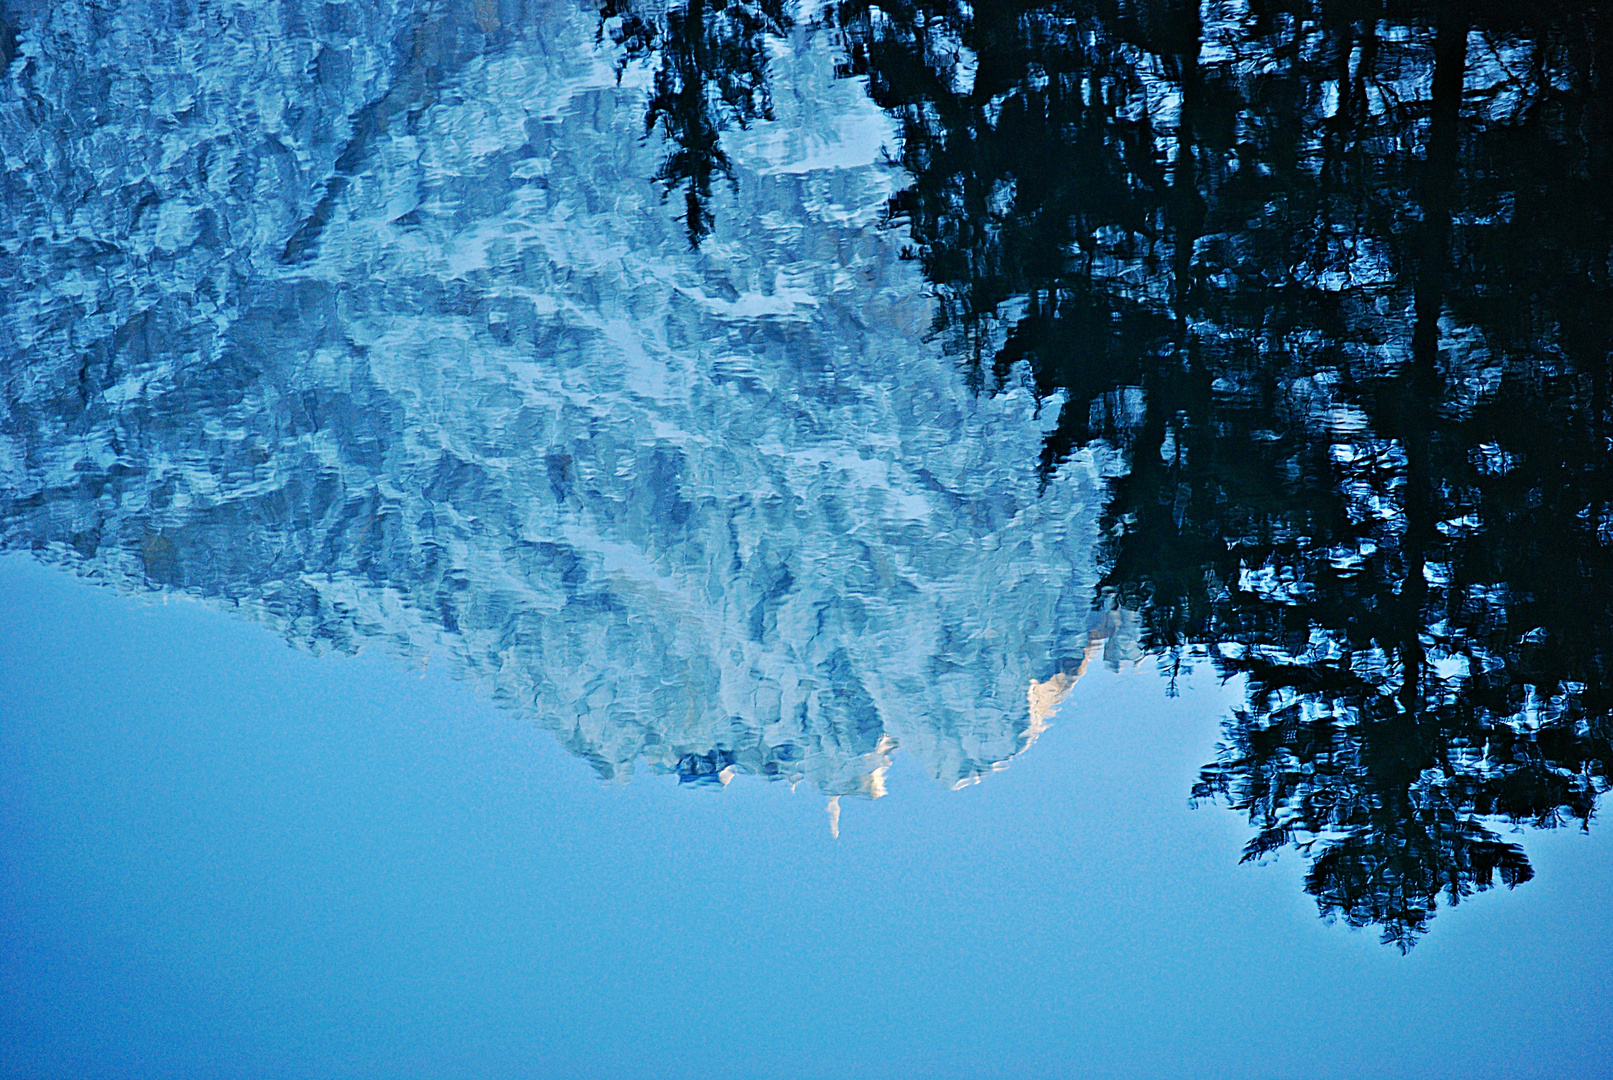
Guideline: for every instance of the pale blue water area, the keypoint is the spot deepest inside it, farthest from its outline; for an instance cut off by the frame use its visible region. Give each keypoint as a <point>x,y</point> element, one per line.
<point>228,858</point>
<point>722,538</point>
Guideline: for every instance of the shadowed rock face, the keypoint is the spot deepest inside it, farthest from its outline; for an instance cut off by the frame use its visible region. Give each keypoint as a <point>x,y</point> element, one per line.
<point>369,324</point>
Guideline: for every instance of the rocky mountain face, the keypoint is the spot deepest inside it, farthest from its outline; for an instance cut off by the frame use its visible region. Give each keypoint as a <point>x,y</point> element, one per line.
<point>365,320</point>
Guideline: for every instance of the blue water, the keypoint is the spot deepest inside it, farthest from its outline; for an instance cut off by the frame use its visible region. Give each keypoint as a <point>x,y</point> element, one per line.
<point>728,539</point>
<point>228,858</point>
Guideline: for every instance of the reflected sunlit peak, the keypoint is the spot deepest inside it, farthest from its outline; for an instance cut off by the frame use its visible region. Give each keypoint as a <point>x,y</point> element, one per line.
<point>1044,698</point>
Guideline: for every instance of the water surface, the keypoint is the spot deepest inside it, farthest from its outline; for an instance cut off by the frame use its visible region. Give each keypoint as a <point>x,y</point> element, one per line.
<point>1150,404</point>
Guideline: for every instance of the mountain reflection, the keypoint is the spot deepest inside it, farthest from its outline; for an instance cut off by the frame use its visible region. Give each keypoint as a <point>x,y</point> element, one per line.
<point>708,512</point>
<point>1284,333</point>
<point>1335,279</point>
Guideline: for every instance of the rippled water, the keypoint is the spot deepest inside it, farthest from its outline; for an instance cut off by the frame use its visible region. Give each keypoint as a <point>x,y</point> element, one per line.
<point>743,391</point>
<point>718,511</point>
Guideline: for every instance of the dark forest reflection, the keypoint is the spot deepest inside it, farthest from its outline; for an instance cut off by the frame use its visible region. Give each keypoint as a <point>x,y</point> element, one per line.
<point>1334,277</point>
<point>711,72</point>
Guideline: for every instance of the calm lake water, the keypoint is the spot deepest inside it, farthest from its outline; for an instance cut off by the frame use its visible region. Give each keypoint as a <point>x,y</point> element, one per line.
<point>733,539</point>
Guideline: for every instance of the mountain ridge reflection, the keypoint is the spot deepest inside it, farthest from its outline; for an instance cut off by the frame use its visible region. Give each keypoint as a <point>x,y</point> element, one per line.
<point>709,512</point>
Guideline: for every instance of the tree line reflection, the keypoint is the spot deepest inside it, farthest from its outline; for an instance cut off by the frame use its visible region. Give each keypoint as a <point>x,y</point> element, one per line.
<point>710,73</point>
<point>1333,277</point>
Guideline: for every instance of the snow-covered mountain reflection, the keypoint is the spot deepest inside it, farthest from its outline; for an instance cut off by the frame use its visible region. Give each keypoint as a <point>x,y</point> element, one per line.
<point>368,324</point>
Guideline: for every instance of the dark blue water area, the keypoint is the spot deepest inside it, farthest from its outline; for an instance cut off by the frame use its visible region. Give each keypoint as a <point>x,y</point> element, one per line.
<point>224,857</point>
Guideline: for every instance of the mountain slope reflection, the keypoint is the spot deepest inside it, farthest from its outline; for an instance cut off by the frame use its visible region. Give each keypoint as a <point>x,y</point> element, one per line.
<point>715,510</point>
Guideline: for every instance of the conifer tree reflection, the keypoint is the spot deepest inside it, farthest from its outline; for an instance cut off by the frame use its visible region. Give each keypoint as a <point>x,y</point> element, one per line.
<point>712,72</point>
<point>1334,276</point>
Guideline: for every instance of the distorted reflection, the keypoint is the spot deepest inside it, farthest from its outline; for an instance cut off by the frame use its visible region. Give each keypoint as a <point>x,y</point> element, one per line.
<point>710,511</point>
<point>711,72</point>
<point>1335,278</point>
<point>986,341</point>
